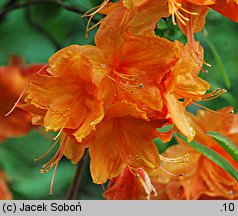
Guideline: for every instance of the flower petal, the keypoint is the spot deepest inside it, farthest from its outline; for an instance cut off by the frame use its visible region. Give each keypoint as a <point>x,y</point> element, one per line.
<point>177,112</point>
<point>106,162</point>
<point>127,186</point>
<point>87,62</point>
<point>227,8</point>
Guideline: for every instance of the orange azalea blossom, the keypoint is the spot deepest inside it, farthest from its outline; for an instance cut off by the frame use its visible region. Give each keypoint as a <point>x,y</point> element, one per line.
<point>112,97</point>
<point>138,68</point>
<point>137,64</point>
<point>5,194</point>
<point>67,96</point>
<point>125,85</point>
<point>130,187</point>
<point>202,179</point>
<point>12,83</point>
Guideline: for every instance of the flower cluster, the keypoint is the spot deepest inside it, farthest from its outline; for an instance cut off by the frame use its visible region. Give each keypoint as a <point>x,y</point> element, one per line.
<point>112,97</point>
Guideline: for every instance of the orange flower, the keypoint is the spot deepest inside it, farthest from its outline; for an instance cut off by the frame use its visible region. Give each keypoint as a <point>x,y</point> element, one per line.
<point>191,16</point>
<point>202,177</point>
<point>121,88</point>
<point>130,187</point>
<point>184,84</point>
<point>5,194</point>
<point>137,65</point>
<point>12,83</point>
<point>141,65</point>
<point>67,97</point>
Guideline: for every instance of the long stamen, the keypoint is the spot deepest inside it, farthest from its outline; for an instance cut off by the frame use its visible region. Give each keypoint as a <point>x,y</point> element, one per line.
<point>170,173</point>
<point>174,8</point>
<point>129,77</point>
<point>61,130</point>
<point>53,179</point>
<point>198,97</point>
<point>218,94</point>
<point>213,111</point>
<point>56,158</point>
<point>88,29</point>
<point>91,15</point>
<point>88,12</point>
<point>182,16</point>
<point>187,11</point>
<point>127,86</point>
<point>42,156</point>
<point>15,104</point>
<point>175,160</point>
<point>41,69</point>
<point>98,8</point>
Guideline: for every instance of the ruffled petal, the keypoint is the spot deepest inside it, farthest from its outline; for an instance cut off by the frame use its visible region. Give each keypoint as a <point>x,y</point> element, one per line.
<point>85,62</point>
<point>74,151</point>
<point>106,162</point>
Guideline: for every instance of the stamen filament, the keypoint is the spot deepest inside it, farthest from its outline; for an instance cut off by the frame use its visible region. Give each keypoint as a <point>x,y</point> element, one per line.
<point>198,97</point>
<point>48,151</point>
<point>91,15</point>
<point>61,130</point>
<point>169,173</point>
<point>56,158</point>
<point>175,160</point>
<point>53,179</point>
<point>41,69</point>
<point>213,111</point>
<point>15,104</point>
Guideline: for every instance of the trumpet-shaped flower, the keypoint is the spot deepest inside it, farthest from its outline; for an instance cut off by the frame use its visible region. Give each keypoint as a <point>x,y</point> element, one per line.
<point>67,97</point>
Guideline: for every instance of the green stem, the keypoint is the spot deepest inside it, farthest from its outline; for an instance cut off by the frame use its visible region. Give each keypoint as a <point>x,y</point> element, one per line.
<point>78,177</point>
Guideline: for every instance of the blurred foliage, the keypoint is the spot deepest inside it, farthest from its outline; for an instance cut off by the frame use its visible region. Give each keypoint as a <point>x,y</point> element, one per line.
<point>36,32</point>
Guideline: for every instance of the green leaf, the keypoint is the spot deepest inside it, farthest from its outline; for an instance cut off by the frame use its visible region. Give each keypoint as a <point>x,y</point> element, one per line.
<point>225,143</point>
<point>213,156</point>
